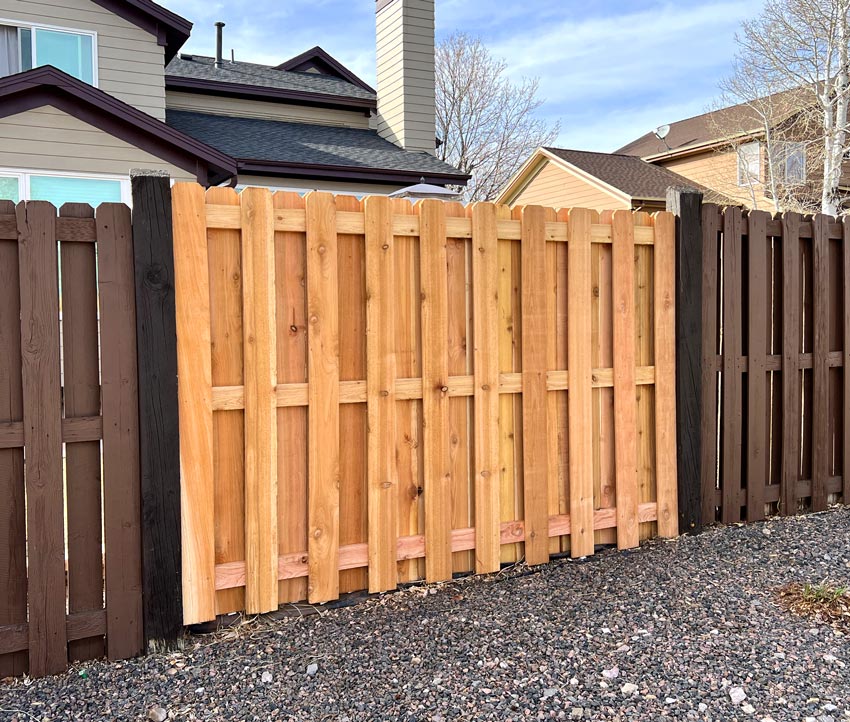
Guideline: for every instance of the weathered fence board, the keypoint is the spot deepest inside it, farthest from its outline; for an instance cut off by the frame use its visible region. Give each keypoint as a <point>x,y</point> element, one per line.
<point>474,382</point>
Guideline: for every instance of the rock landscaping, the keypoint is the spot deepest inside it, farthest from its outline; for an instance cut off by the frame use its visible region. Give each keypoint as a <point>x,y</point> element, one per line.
<point>692,629</point>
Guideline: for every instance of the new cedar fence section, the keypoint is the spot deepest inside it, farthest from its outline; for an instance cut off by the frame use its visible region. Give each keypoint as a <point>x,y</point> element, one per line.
<point>775,394</point>
<point>374,392</point>
<point>75,596</point>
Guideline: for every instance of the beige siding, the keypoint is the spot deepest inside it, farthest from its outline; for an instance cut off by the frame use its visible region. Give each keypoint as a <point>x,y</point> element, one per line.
<point>130,62</point>
<point>553,186</point>
<point>405,71</point>
<point>719,172</point>
<point>200,103</point>
<point>301,185</point>
<point>49,139</point>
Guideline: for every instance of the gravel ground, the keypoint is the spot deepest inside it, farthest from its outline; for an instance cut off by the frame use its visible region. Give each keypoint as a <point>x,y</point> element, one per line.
<point>677,630</point>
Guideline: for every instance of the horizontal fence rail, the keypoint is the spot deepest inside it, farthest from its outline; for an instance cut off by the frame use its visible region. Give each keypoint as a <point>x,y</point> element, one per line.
<point>373,392</point>
<point>775,436</point>
<point>68,439</point>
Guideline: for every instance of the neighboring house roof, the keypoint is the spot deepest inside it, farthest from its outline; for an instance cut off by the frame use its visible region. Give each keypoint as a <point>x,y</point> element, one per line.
<point>47,85</point>
<point>623,176</point>
<point>198,73</point>
<point>713,127</point>
<point>171,30</point>
<point>312,151</point>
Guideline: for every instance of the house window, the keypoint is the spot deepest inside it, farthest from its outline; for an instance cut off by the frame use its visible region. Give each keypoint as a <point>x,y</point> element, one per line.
<point>31,46</point>
<point>791,163</point>
<point>61,188</point>
<point>749,163</point>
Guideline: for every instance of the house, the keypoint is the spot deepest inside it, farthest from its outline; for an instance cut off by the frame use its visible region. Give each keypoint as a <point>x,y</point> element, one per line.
<point>564,178</point>
<point>725,151</point>
<point>90,89</point>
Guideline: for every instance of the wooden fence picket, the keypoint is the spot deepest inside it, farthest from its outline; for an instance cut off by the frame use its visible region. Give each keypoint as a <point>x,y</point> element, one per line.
<point>821,443</point>
<point>791,299</point>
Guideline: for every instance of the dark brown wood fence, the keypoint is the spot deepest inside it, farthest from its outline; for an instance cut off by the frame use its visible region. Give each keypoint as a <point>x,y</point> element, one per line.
<point>775,326</point>
<point>70,549</point>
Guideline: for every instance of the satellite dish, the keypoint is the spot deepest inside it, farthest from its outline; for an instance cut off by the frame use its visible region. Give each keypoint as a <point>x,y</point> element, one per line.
<point>662,131</point>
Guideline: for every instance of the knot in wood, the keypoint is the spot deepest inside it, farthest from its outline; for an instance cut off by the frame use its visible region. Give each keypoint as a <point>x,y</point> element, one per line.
<point>485,387</point>
<point>485,474</point>
<point>481,249</point>
<point>444,389</point>
<point>385,393</point>
<point>317,533</point>
<point>293,328</point>
<point>386,485</point>
<point>321,250</point>
<point>386,246</point>
<point>314,319</point>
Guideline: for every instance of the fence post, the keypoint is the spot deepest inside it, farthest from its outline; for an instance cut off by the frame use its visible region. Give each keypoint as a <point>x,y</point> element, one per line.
<point>686,204</point>
<point>156,332</point>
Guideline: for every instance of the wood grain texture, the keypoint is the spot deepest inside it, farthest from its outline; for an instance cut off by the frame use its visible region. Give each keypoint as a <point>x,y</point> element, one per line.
<point>38,268</point>
<point>625,390</point>
<point>791,347</point>
<point>664,306</point>
<point>194,368</point>
<point>758,305</point>
<point>580,398</point>
<point>821,440</point>
<point>260,358</point>
<point>122,485</point>
<point>435,397</point>
<point>485,309</point>
<point>845,404</point>
<point>323,412</point>
<point>81,396</point>
<point>13,550</point>
<point>381,400</point>
<point>535,426</point>
<point>558,356</point>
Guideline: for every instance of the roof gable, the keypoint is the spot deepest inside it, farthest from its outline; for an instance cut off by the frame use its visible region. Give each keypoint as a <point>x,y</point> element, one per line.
<point>317,60</point>
<point>47,85</point>
<point>171,30</point>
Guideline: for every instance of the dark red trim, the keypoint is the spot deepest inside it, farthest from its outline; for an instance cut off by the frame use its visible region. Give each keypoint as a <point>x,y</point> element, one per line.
<point>170,30</point>
<point>49,86</point>
<point>253,92</point>
<point>348,173</point>
<point>319,59</point>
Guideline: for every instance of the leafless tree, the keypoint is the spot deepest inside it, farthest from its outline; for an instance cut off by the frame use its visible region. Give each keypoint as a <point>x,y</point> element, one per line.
<point>486,122</point>
<point>791,71</point>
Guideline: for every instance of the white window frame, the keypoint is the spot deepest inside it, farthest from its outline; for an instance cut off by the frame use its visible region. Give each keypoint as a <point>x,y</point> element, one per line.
<point>745,174</point>
<point>56,28</point>
<point>24,176</point>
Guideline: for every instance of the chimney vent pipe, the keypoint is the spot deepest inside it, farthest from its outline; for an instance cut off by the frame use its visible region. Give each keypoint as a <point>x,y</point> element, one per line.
<point>218,43</point>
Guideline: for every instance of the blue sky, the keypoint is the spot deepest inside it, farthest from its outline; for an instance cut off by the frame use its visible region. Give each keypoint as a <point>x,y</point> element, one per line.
<point>609,70</point>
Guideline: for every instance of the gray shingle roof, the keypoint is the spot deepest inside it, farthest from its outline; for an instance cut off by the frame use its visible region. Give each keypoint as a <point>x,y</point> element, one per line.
<point>199,67</point>
<point>281,142</point>
<point>627,173</point>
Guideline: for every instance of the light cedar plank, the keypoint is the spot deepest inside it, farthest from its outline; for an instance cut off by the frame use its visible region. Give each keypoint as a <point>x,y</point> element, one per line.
<point>552,400</point>
<point>13,560</point>
<point>580,371</point>
<point>644,349</point>
<point>845,405</point>
<point>353,518</point>
<point>323,395</point>
<point>224,250</point>
<point>260,352</point>
<point>507,505</point>
<point>821,441</point>
<point>535,426</point>
<point>120,402</point>
<point>486,301</point>
<point>380,395</point>
<point>408,413</point>
<point>625,390</point>
<point>517,330</point>
<point>291,319</point>
<point>664,285</point>
<point>82,460</point>
<point>192,298</point>
<point>435,397</point>
<point>758,329</point>
<point>791,348</point>
<point>730,469</point>
<point>711,220</point>
<point>38,269</point>
<point>460,353</point>
<point>562,423</point>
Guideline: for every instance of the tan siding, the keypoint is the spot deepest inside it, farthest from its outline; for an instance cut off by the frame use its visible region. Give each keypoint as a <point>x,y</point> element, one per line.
<point>719,172</point>
<point>199,103</point>
<point>130,62</point>
<point>49,139</point>
<point>555,187</point>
